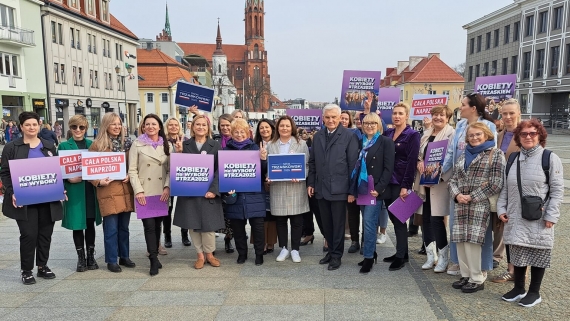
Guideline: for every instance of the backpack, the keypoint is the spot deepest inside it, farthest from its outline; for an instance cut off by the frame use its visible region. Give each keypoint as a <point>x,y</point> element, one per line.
<point>545,165</point>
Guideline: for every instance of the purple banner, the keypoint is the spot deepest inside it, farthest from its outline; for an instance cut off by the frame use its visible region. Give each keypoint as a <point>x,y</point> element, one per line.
<point>496,87</point>
<point>154,207</point>
<point>308,119</point>
<point>191,174</point>
<point>387,98</point>
<point>403,210</point>
<point>239,171</point>
<point>367,199</point>
<point>360,90</point>
<point>36,180</point>
<point>433,162</point>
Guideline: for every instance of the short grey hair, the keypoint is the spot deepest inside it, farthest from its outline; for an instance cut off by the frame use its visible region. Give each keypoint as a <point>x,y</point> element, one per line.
<point>332,107</point>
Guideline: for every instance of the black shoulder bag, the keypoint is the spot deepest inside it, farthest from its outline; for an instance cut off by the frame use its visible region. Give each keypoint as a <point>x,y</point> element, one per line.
<point>531,206</point>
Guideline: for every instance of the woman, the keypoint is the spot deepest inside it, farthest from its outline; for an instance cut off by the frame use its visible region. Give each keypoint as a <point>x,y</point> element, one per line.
<point>225,135</point>
<point>47,134</point>
<point>115,197</point>
<point>352,209</point>
<point>241,207</point>
<point>176,138</point>
<point>375,162</point>
<point>477,175</point>
<point>35,222</point>
<point>8,131</point>
<point>530,242</point>
<point>202,216</point>
<point>149,173</point>
<point>407,145</point>
<point>511,117</point>
<point>289,199</point>
<point>81,211</point>
<point>57,129</point>
<point>472,111</point>
<point>263,135</point>
<point>436,197</point>
<point>346,119</point>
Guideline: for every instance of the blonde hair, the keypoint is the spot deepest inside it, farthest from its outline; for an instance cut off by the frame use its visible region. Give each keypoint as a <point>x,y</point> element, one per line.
<point>78,120</point>
<point>240,123</point>
<point>47,126</point>
<point>234,113</point>
<point>103,141</point>
<point>209,134</point>
<point>404,105</point>
<point>180,132</point>
<point>481,126</point>
<point>373,118</point>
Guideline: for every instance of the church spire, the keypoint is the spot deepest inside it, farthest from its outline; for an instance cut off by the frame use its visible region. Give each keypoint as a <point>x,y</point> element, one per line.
<point>167,23</point>
<point>219,50</point>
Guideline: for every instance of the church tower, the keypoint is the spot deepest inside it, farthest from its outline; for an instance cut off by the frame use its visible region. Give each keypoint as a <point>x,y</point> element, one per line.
<point>224,89</point>
<point>257,82</point>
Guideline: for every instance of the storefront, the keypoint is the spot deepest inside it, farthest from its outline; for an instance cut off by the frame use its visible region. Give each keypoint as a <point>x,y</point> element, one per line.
<point>12,106</point>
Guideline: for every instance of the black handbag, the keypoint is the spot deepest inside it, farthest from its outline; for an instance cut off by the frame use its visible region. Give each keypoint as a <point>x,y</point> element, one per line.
<point>531,206</point>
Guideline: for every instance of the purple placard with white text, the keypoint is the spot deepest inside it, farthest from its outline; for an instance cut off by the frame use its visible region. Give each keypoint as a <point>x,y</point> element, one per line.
<point>239,171</point>
<point>191,174</point>
<point>36,180</point>
<point>360,90</point>
<point>387,98</point>
<point>433,162</point>
<point>496,87</point>
<point>308,119</point>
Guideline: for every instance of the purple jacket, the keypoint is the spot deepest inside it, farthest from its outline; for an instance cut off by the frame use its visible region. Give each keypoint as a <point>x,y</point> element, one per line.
<point>405,161</point>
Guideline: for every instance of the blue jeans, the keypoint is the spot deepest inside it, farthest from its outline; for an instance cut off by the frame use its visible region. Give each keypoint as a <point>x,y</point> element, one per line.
<point>116,231</point>
<point>369,220</point>
<point>383,215</point>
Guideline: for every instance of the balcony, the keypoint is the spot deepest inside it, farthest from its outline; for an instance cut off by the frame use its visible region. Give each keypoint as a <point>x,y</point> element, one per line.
<point>17,36</point>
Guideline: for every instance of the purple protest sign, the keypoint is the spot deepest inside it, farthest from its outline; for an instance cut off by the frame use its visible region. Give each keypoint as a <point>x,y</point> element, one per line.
<point>191,174</point>
<point>36,180</point>
<point>496,87</point>
<point>433,162</point>
<point>154,207</point>
<point>308,119</point>
<point>367,199</point>
<point>239,170</point>
<point>387,98</point>
<point>403,210</point>
<point>360,90</point>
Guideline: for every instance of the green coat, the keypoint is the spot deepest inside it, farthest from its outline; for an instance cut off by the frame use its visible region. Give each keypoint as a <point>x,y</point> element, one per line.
<point>74,217</point>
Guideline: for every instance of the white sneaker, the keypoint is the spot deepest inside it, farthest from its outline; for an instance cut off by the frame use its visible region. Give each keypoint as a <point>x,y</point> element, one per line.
<point>295,256</point>
<point>283,255</point>
<point>381,238</point>
<point>217,234</point>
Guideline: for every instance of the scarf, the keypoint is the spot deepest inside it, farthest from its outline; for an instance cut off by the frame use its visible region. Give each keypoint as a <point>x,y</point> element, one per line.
<point>472,152</point>
<point>145,139</point>
<point>240,145</point>
<point>528,152</point>
<point>360,168</point>
<point>225,140</point>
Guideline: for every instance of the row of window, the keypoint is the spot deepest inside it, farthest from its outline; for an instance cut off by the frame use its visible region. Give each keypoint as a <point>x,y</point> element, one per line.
<point>75,41</point>
<point>492,69</point>
<point>476,43</point>
<point>60,77</point>
<point>9,64</point>
<point>150,97</point>
<point>90,7</point>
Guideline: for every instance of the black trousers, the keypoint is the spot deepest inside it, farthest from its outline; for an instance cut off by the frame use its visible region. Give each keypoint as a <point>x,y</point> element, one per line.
<point>152,235</point>
<point>240,236</point>
<point>296,230</point>
<point>308,224</point>
<point>353,211</point>
<point>333,214</point>
<point>35,236</point>
<point>84,241</point>
<point>433,226</point>
<point>400,229</point>
<point>167,221</point>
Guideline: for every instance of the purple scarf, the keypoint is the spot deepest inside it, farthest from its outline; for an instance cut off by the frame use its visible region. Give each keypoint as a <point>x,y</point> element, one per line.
<point>241,145</point>
<point>225,140</point>
<point>145,139</point>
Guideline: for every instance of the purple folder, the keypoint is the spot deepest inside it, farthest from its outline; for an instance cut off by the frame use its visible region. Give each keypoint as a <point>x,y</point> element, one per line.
<point>367,199</point>
<point>154,208</point>
<point>403,210</point>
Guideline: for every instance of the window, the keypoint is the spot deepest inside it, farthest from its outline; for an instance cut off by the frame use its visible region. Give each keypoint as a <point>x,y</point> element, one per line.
<point>568,59</point>
<point>74,76</point>
<point>526,65</point>
<point>78,38</point>
<point>164,97</point>
<point>487,40</point>
<point>505,66</point>
<point>60,33</point>
<point>105,11</point>
<point>90,6</point>
<point>445,92</point>
<point>540,62</point>
<point>514,64</point>
<point>9,65</point>
<point>94,44</point>
<point>62,68</point>
<point>89,42</point>
<point>479,38</point>
<point>109,48</point>
<point>542,22</point>
<point>493,68</point>
<point>496,38</point>
<point>104,48</point>
<point>80,76</point>
<point>524,103</point>
<point>91,83</point>
<point>96,79</point>
<point>471,46</point>
<point>516,31</point>
<point>256,73</point>
<point>239,73</point>
<point>121,52</point>
<point>529,25</point>
<point>432,92</point>
<point>53,32</point>
<point>470,74</point>
<point>477,67</point>
<point>72,39</point>
<point>150,97</point>
<point>507,34</point>
<point>7,15</point>
<point>106,80</point>
<point>73,3</point>
<point>557,18</point>
<point>56,72</point>
<point>486,69</point>
<point>256,52</point>
<point>110,81</point>
<point>554,60</point>
<point>1,65</point>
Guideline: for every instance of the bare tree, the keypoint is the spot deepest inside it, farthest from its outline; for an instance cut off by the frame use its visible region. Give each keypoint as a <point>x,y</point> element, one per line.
<point>255,91</point>
<point>460,69</point>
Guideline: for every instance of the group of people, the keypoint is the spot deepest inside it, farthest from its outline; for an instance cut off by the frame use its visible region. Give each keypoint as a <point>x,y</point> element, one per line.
<point>351,173</point>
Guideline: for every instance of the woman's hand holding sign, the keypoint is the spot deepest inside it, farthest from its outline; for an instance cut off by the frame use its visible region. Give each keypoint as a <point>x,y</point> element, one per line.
<point>141,199</point>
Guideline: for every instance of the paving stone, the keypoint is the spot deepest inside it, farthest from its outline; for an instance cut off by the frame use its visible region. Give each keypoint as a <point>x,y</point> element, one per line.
<point>78,299</point>
<point>97,285</point>
<point>165,313</point>
<point>274,296</point>
<point>292,283</point>
<point>59,313</point>
<point>14,300</point>
<point>175,298</point>
<point>188,284</point>
<point>271,312</point>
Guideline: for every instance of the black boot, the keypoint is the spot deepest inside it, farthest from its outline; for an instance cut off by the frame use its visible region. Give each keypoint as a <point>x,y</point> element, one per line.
<point>366,265</point>
<point>259,259</point>
<point>397,264</point>
<point>185,239</point>
<point>91,263</point>
<point>229,247</point>
<point>167,240</point>
<point>81,264</point>
<point>153,265</point>
<point>375,259</point>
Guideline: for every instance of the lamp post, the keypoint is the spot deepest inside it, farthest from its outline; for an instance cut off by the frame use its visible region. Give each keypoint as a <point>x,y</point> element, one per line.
<point>129,70</point>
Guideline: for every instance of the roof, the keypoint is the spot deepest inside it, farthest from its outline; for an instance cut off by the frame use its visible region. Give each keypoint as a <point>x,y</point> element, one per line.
<point>155,56</point>
<point>276,103</point>
<point>159,70</point>
<point>117,25</point>
<point>233,52</point>
<point>430,69</point>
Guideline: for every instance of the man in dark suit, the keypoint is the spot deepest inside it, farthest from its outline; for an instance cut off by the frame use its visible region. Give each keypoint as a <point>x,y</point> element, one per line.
<point>333,156</point>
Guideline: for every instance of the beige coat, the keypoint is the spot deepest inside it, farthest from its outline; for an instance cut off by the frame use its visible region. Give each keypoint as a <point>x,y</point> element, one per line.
<point>149,169</point>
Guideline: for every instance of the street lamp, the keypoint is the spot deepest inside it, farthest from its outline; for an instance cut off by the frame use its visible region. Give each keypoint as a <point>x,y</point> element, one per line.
<point>129,70</point>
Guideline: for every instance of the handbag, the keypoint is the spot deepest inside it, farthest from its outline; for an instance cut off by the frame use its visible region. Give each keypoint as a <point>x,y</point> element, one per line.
<point>531,206</point>
<point>493,199</point>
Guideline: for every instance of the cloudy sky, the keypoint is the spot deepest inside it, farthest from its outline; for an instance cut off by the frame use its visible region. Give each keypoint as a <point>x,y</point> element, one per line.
<point>310,42</point>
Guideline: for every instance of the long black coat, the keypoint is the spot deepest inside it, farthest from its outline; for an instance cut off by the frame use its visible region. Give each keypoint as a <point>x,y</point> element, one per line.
<point>16,149</point>
<point>200,213</point>
<point>330,165</point>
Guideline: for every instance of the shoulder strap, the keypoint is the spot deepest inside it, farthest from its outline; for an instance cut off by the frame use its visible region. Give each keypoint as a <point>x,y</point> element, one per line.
<point>519,178</point>
<point>546,168</point>
<point>510,161</point>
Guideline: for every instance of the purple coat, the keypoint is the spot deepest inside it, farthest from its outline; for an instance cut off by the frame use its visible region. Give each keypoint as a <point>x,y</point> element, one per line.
<point>407,147</point>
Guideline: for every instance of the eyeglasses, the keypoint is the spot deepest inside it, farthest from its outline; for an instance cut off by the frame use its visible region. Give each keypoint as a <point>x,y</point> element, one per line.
<point>367,124</point>
<point>475,135</point>
<point>74,127</point>
<point>527,134</point>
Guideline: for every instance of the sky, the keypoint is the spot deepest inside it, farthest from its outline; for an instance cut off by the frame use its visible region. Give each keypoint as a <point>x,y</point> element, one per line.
<point>310,42</point>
